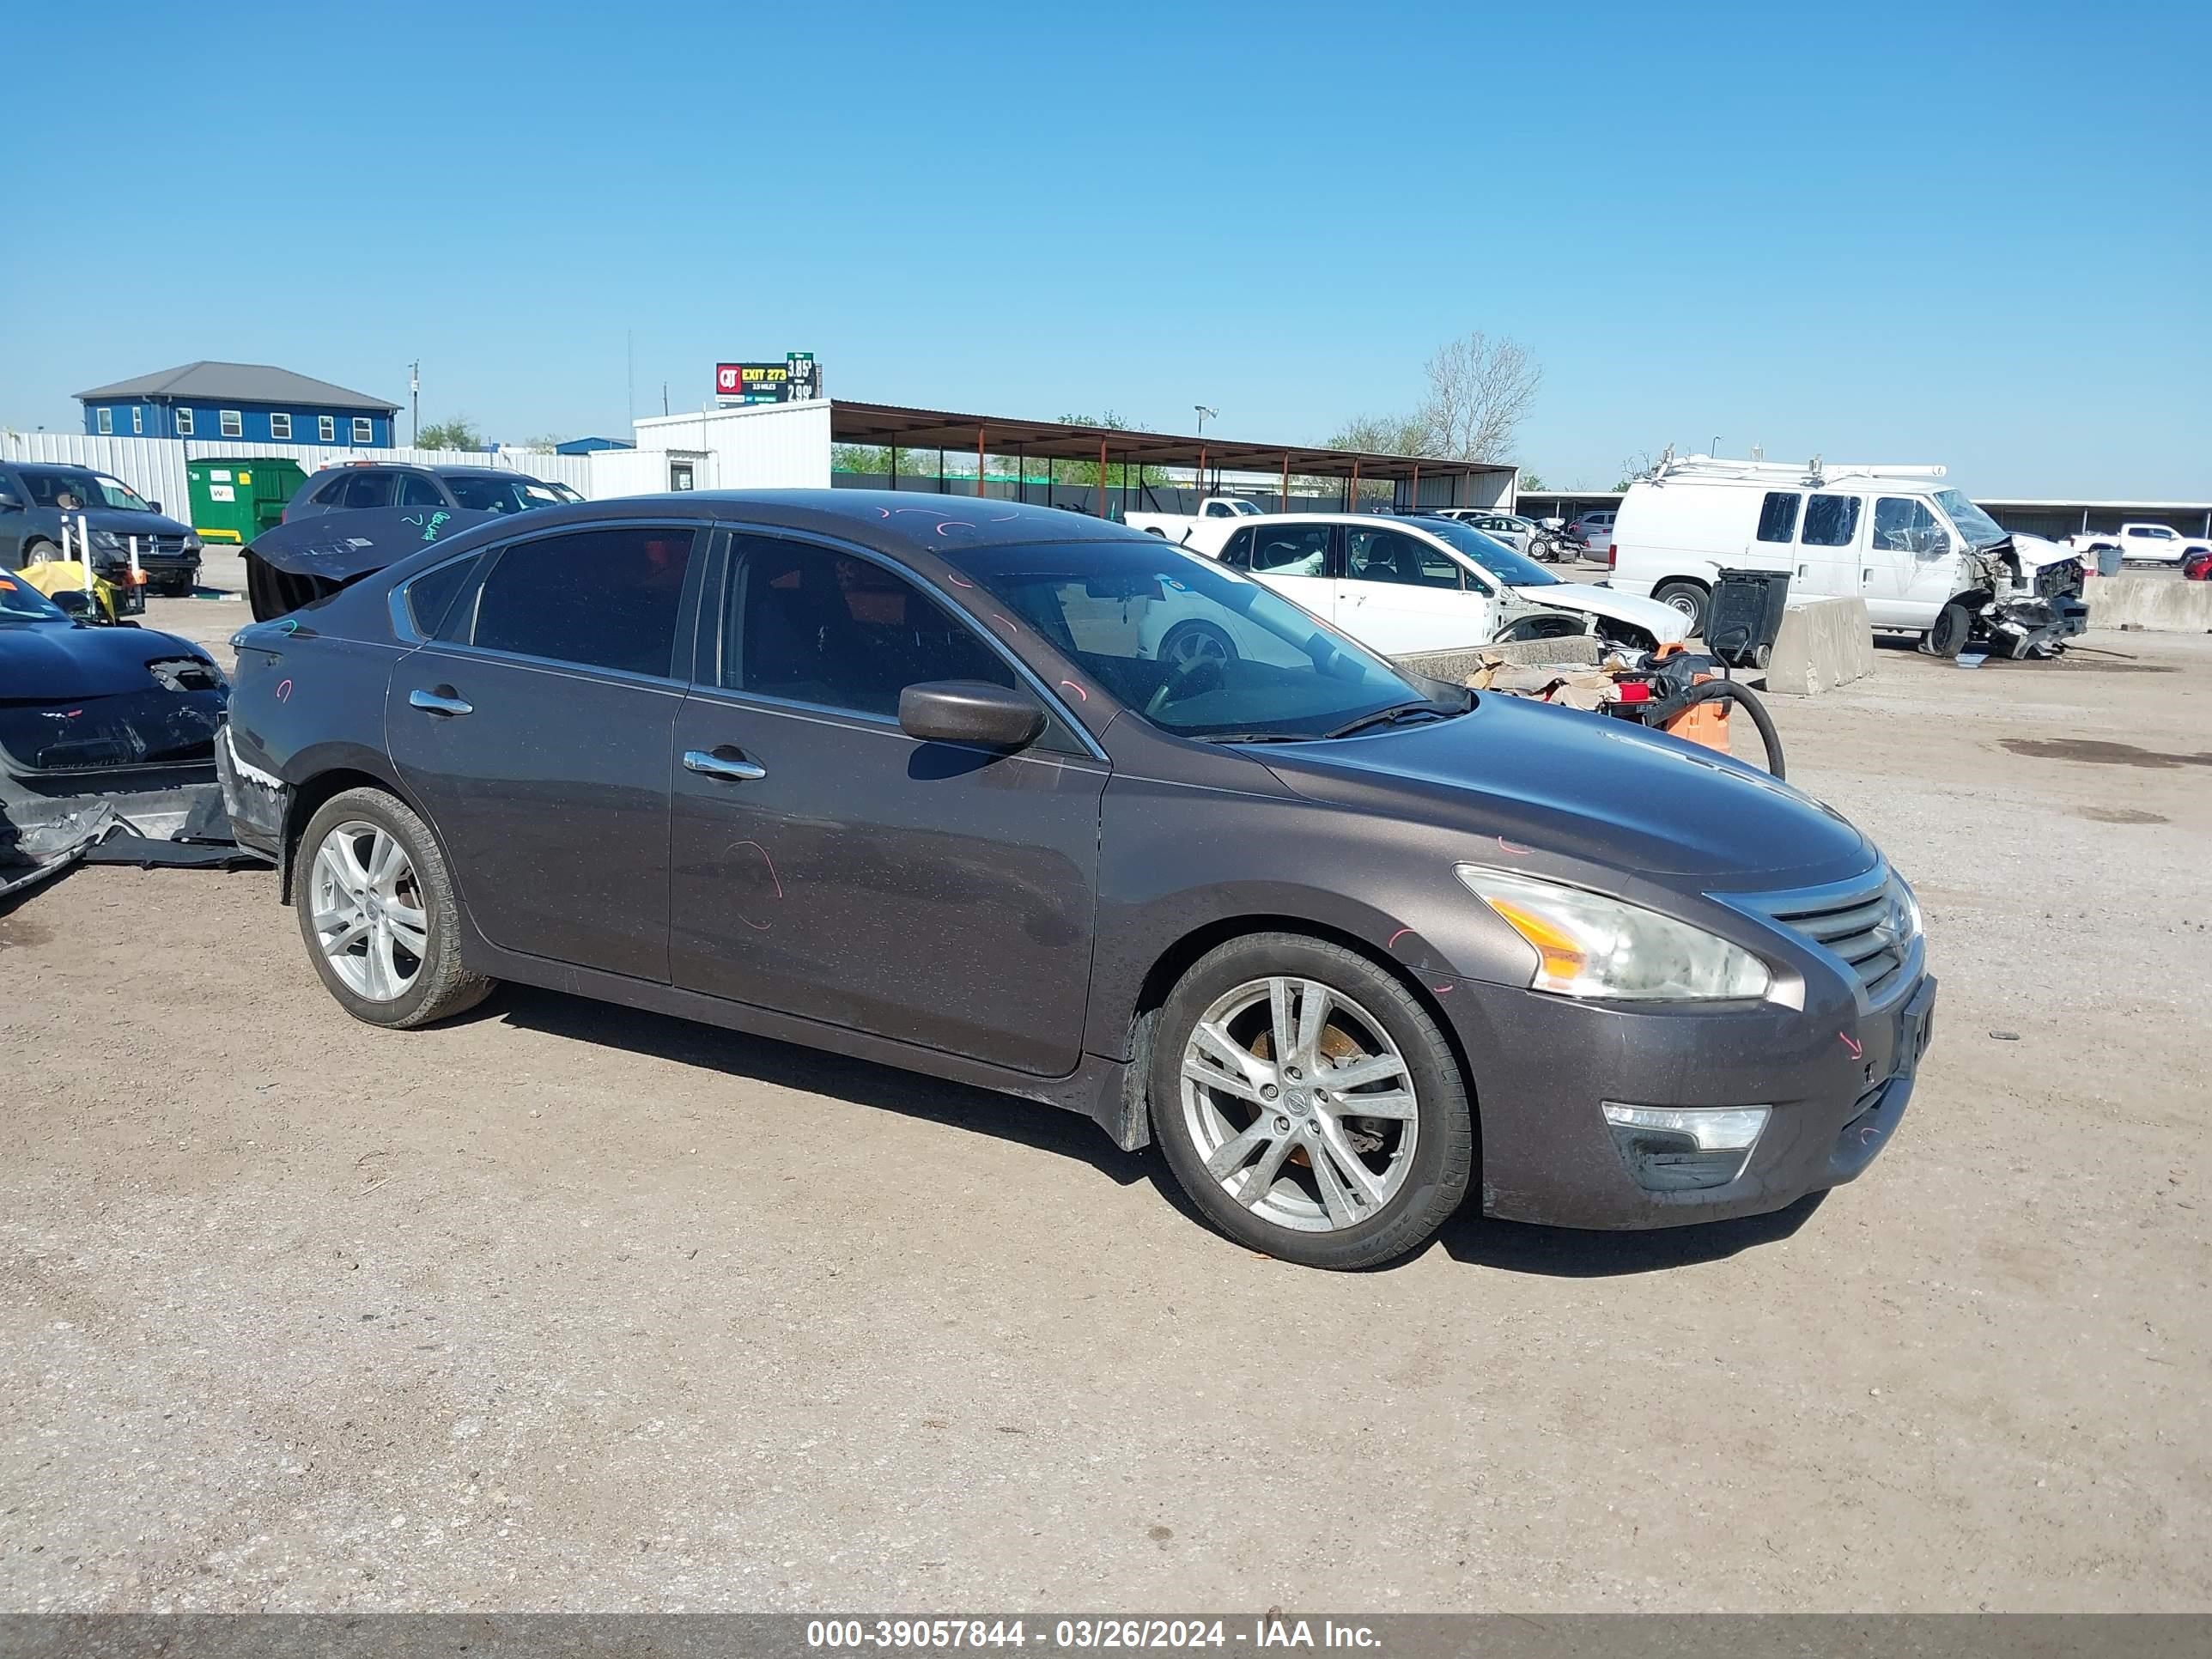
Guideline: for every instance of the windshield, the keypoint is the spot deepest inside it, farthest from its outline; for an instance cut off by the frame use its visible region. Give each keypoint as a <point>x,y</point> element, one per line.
<point>119,495</point>
<point>74,490</point>
<point>1195,648</point>
<point>1500,560</point>
<point>1977,527</point>
<point>507,494</point>
<point>21,602</point>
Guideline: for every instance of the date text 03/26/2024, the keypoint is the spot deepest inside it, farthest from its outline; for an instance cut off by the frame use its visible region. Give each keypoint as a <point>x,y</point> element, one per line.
<point>894,1635</point>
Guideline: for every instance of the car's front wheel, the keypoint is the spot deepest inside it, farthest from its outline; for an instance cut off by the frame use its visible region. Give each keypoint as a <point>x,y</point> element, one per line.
<point>1309,1104</point>
<point>377,911</point>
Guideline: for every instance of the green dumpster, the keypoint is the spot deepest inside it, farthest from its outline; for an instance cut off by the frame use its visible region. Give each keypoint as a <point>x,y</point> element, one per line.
<point>235,499</point>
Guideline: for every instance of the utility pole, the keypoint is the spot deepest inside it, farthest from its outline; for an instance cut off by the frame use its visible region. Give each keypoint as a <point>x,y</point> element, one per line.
<point>414,402</point>
<point>1715,452</point>
<point>1203,413</point>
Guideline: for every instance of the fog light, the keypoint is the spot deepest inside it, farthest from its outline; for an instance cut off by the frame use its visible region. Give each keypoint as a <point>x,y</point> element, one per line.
<point>1672,1149</point>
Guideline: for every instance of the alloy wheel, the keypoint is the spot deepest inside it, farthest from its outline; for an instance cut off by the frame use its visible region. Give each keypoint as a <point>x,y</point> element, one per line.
<point>1300,1104</point>
<point>366,907</point>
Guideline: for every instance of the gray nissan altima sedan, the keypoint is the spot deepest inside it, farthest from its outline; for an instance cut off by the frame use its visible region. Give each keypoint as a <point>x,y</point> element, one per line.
<point>945,784</point>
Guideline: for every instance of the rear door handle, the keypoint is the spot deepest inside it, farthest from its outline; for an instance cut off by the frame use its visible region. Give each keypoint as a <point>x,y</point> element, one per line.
<point>732,768</point>
<point>440,703</point>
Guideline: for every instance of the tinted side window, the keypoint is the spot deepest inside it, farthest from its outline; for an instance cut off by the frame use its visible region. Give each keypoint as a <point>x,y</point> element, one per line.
<point>415,490</point>
<point>368,487</point>
<point>1292,550</point>
<point>1390,556</point>
<point>1778,516</point>
<point>329,493</point>
<point>818,626</point>
<point>1831,520</point>
<point>1238,550</point>
<point>604,599</point>
<point>432,593</point>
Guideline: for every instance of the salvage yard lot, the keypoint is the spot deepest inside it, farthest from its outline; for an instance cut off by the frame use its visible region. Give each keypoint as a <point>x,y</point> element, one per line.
<point>562,1305</point>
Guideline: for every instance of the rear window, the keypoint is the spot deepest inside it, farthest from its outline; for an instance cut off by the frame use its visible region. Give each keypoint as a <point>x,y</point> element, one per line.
<point>1778,515</point>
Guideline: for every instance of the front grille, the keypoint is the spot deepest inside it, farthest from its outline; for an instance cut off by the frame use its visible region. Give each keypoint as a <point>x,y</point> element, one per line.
<point>152,547</point>
<point>1870,929</point>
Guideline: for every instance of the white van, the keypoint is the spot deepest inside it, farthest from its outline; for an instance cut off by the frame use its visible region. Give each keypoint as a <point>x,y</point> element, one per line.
<point>1921,554</point>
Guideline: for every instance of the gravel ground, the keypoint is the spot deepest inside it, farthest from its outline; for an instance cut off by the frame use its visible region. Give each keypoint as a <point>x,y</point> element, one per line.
<point>564,1307</point>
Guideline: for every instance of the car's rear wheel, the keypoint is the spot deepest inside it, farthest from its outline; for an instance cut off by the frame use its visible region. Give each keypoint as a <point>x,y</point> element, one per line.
<point>1309,1104</point>
<point>377,911</point>
<point>1687,597</point>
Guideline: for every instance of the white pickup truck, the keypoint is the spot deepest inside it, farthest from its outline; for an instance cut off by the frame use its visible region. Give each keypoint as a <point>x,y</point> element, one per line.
<point>2152,544</point>
<point>1178,526</point>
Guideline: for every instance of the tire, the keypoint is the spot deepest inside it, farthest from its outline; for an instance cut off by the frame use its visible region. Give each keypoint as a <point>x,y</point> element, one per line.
<point>1687,597</point>
<point>376,987</point>
<point>1311,1211</point>
<point>40,553</point>
<point>179,587</point>
<point>1954,626</point>
<point>1188,643</point>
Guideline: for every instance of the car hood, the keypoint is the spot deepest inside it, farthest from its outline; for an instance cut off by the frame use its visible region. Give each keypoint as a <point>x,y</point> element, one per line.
<point>125,522</point>
<point>2034,551</point>
<point>1587,787</point>
<point>59,662</point>
<point>1668,625</point>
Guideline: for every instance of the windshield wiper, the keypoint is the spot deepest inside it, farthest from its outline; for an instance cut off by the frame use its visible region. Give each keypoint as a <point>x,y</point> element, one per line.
<point>1396,712</point>
<point>1254,737</point>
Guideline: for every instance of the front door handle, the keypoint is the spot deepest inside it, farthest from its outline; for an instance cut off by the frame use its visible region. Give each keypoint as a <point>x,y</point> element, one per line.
<point>732,768</point>
<point>441,702</point>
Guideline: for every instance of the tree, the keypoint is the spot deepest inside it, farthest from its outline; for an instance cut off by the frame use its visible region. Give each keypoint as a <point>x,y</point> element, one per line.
<point>1533,480</point>
<point>1480,391</point>
<point>458,433</point>
<point>1383,435</point>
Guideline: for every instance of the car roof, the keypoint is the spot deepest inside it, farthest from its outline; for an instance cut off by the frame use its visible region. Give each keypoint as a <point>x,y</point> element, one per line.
<point>897,523</point>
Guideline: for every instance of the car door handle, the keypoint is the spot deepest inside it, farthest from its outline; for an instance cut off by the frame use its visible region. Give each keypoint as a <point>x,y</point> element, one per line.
<point>441,701</point>
<point>733,768</point>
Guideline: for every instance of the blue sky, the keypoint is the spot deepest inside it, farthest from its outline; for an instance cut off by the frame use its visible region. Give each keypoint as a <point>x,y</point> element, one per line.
<point>1973,233</point>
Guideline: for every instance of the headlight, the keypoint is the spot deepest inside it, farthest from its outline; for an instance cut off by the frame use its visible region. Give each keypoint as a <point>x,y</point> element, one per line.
<point>1588,945</point>
<point>108,541</point>
<point>193,544</point>
<point>1911,911</point>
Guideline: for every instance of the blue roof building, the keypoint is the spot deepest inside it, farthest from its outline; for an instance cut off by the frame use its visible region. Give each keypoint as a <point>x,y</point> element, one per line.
<point>239,403</point>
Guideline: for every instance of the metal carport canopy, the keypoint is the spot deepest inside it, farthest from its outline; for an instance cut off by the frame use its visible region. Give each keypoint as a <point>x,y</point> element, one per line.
<point>937,429</point>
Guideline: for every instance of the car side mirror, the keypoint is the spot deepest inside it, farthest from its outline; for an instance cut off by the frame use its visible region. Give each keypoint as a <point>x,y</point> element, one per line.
<point>72,602</point>
<point>153,506</point>
<point>970,711</point>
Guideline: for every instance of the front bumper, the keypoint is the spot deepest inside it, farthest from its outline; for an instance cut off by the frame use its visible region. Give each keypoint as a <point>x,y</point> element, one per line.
<point>1544,1067</point>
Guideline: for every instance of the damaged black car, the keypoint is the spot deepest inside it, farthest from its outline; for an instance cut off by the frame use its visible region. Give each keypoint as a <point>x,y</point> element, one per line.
<point>104,731</point>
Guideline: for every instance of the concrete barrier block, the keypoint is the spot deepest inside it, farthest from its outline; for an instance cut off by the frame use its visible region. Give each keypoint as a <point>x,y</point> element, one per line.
<point>2162,603</point>
<point>1822,644</point>
<point>1580,651</point>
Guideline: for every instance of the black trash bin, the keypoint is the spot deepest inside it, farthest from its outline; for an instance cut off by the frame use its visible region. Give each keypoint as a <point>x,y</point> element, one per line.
<point>1744,615</point>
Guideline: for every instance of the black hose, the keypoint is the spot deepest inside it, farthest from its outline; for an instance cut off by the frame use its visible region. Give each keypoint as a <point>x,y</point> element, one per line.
<point>1729,691</point>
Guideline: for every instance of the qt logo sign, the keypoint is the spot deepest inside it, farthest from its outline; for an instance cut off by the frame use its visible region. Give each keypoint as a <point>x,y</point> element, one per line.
<point>729,378</point>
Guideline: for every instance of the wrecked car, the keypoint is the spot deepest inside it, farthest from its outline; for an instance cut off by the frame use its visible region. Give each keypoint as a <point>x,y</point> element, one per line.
<point>1920,554</point>
<point>810,764</point>
<point>102,731</point>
